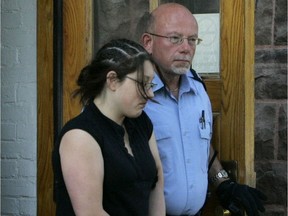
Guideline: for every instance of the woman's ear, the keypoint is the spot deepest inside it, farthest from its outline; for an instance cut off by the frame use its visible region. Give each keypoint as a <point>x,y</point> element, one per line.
<point>111,80</point>
<point>147,42</point>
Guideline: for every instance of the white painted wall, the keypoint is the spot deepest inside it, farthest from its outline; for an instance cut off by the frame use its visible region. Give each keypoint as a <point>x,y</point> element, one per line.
<point>18,107</point>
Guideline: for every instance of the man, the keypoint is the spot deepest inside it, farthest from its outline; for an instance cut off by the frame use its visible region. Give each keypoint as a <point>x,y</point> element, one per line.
<point>182,119</point>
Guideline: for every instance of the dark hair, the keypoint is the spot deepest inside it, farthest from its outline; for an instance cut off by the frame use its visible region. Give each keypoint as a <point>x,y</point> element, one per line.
<point>120,55</point>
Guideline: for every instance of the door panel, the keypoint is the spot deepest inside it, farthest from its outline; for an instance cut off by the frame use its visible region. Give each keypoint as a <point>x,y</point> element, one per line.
<point>45,205</point>
<point>231,93</point>
<point>77,49</point>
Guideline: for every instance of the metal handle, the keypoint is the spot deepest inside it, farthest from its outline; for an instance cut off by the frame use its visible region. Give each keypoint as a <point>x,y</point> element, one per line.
<point>219,211</point>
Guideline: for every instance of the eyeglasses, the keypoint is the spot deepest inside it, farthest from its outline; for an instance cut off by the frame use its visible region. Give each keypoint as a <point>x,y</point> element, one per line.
<point>147,86</point>
<point>192,41</point>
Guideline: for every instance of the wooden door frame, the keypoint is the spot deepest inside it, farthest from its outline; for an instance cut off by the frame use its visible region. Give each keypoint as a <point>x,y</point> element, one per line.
<point>237,75</point>
<point>237,85</point>
<point>77,51</point>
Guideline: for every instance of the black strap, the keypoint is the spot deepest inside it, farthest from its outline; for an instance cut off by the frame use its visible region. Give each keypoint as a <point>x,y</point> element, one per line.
<point>212,159</point>
<point>198,78</point>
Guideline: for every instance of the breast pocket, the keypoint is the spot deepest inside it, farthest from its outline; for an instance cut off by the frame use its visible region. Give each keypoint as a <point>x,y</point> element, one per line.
<point>205,131</point>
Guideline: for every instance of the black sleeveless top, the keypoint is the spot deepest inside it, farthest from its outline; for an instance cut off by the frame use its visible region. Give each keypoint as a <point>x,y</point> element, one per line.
<point>128,179</point>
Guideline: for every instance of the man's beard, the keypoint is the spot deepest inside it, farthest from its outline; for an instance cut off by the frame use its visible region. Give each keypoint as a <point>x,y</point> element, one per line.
<point>180,70</point>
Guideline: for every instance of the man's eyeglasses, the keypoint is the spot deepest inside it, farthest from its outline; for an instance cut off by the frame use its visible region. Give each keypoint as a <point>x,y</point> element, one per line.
<point>147,85</point>
<point>192,41</point>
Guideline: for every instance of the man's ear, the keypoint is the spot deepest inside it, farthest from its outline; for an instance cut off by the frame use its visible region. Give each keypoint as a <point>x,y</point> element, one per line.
<point>111,80</point>
<point>147,42</point>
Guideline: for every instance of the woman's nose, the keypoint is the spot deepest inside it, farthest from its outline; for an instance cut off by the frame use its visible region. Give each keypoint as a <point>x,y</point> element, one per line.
<point>150,93</point>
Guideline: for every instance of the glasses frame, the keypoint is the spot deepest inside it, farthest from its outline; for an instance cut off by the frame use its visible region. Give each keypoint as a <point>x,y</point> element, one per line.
<point>147,86</point>
<point>180,39</point>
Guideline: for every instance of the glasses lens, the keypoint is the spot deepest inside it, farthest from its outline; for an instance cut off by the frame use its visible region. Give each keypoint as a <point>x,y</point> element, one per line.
<point>176,40</point>
<point>149,86</point>
<point>192,41</point>
<point>179,40</point>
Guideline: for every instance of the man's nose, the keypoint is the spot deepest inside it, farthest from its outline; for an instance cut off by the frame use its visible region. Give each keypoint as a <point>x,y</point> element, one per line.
<point>186,46</point>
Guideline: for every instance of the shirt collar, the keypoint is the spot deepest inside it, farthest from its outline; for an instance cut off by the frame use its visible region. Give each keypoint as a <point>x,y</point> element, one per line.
<point>187,83</point>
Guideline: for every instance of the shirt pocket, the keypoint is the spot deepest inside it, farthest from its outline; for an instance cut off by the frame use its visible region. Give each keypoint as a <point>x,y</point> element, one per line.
<point>205,127</point>
<point>205,131</point>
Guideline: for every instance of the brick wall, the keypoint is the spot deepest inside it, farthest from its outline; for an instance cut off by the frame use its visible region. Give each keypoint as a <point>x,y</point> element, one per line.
<point>271,103</point>
<point>18,107</point>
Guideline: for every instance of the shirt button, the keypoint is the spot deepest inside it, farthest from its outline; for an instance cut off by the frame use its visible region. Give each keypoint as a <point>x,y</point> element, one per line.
<point>188,161</point>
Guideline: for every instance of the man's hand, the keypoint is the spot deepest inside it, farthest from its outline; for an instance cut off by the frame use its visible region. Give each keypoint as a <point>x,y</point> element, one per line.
<point>236,197</point>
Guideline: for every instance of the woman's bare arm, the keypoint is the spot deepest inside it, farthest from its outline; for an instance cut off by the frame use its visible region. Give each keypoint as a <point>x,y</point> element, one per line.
<point>156,202</point>
<point>83,171</point>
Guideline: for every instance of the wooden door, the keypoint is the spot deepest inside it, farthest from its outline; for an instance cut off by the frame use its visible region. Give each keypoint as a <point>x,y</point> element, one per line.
<point>55,105</point>
<point>231,93</point>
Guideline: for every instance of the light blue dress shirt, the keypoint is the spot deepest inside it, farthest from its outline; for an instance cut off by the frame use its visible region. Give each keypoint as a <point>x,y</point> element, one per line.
<point>183,139</point>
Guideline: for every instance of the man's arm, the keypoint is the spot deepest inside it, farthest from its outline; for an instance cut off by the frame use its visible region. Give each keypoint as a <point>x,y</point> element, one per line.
<point>215,168</point>
<point>234,196</point>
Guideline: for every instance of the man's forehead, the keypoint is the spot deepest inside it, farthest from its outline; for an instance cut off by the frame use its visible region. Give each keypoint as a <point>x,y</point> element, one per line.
<point>171,9</point>
<point>174,17</point>
<point>177,24</point>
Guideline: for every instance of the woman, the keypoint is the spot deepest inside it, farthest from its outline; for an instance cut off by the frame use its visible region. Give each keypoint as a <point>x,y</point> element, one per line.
<point>106,160</point>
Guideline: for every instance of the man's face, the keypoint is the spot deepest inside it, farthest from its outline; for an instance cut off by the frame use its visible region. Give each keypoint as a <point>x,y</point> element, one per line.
<point>174,58</point>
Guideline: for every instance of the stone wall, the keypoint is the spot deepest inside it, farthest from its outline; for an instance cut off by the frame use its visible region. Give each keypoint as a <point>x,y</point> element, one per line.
<point>271,103</point>
<point>117,19</point>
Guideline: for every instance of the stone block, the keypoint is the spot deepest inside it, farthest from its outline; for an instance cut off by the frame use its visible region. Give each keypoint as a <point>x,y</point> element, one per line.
<point>263,22</point>
<point>280,23</point>
<point>270,82</point>
<point>269,56</point>
<point>117,19</point>
<point>264,130</point>
<point>272,180</point>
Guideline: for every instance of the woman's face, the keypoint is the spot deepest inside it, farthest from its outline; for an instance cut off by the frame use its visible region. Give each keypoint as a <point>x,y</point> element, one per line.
<point>130,101</point>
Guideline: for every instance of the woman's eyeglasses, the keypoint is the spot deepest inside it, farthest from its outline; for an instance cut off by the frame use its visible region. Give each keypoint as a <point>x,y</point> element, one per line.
<point>146,85</point>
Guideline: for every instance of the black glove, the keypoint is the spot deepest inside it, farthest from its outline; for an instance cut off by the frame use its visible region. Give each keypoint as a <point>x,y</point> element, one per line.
<point>235,197</point>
